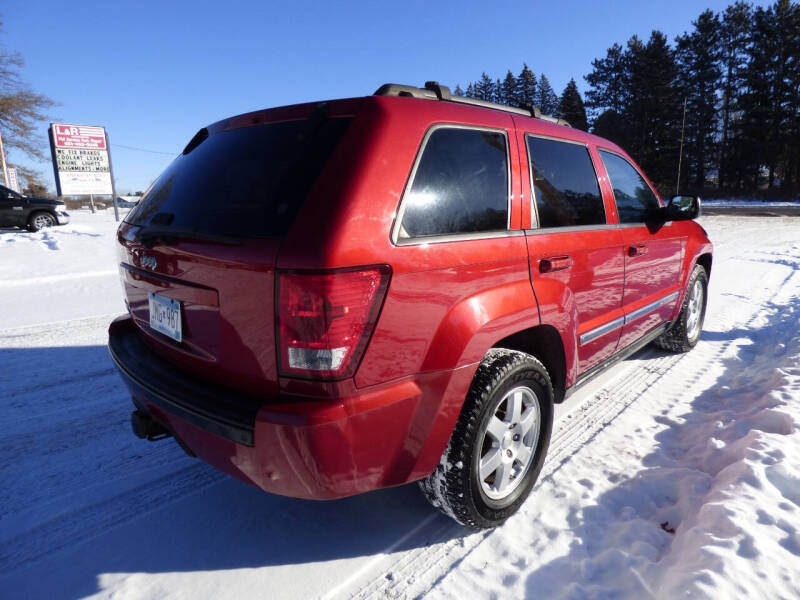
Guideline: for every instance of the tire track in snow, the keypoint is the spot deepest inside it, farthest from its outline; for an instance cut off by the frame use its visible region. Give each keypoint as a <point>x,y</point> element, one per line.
<point>93,520</point>
<point>90,492</point>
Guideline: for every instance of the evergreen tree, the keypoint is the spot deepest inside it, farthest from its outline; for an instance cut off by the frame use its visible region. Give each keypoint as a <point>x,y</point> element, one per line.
<point>470,93</point>
<point>611,125</point>
<point>510,89</point>
<point>697,56</point>
<point>485,88</point>
<point>458,91</point>
<point>609,81</point>
<point>570,107</point>
<point>526,86</point>
<point>791,30</point>
<point>499,96</point>
<point>654,107</point>
<point>767,105</point>
<point>546,98</point>
<point>734,43</point>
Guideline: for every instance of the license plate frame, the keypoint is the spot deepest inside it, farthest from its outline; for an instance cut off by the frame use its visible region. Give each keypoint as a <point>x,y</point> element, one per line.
<point>165,316</point>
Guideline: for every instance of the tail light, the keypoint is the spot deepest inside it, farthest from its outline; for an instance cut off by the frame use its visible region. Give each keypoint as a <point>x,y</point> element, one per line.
<point>326,319</point>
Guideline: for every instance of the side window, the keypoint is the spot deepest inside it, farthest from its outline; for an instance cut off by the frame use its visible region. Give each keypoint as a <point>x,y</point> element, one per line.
<point>633,196</point>
<point>460,186</point>
<point>564,184</point>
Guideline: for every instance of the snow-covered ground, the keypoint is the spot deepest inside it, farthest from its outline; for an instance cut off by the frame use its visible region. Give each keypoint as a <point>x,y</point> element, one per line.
<point>671,475</point>
<point>61,273</point>
<point>744,203</point>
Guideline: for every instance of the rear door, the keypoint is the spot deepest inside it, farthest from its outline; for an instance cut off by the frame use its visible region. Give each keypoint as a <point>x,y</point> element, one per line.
<point>575,258</point>
<point>653,253</point>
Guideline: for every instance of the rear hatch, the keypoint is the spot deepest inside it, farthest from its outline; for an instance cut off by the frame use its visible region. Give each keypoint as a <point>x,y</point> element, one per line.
<point>201,247</point>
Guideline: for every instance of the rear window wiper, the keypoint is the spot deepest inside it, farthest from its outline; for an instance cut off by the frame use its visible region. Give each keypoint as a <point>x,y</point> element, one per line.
<point>148,235</point>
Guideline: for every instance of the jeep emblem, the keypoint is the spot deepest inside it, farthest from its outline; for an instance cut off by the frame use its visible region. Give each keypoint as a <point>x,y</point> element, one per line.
<point>150,262</point>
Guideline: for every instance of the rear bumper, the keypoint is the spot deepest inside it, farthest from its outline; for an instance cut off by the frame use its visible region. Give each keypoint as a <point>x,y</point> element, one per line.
<point>297,446</point>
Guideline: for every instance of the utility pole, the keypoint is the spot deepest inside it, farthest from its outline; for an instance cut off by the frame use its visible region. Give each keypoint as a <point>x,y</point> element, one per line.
<point>3,159</point>
<point>680,155</point>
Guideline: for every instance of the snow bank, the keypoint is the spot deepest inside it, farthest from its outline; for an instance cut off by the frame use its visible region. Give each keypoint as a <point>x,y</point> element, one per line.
<point>745,203</point>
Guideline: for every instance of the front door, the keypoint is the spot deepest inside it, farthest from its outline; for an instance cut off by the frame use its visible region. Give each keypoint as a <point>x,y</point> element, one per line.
<point>653,253</point>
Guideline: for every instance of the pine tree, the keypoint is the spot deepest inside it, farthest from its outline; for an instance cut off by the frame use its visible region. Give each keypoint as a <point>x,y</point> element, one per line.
<point>526,86</point>
<point>499,96</point>
<point>735,36</point>
<point>790,28</point>
<point>546,98</point>
<point>571,107</point>
<point>767,106</point>
<point>609,81</point>
<point>654,109</point>
<point>485,88</point>
<point>697,56</point>
<point>510,89</point>
<point>470,93</point>
<point>458,91</point>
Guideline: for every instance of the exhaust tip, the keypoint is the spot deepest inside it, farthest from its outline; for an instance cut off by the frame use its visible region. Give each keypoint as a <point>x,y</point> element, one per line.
<point>146,427</point>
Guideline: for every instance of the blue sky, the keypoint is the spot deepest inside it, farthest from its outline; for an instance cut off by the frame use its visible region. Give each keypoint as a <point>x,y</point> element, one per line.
<point>153,73</point>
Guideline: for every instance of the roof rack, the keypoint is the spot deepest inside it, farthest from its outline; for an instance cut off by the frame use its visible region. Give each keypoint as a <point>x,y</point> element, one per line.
<point>434,91</point>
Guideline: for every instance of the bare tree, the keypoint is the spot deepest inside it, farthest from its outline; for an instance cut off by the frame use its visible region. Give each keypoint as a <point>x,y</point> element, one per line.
<point>22,111</point>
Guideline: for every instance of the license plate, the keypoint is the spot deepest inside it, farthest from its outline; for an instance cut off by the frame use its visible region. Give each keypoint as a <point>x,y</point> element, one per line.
<point>165,315</point>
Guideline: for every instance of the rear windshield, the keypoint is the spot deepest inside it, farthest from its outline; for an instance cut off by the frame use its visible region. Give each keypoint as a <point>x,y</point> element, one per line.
<point>247,182</point>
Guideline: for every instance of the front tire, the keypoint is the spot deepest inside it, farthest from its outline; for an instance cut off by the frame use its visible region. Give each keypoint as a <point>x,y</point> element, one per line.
<point>41,220</point>
<point>685,331</point>
<point>498,446</point>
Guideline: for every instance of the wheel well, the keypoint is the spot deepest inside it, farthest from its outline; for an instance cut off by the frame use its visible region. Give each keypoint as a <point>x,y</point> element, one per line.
<point>543,342</point>
<point>33,213</point>
<point>705,261</point>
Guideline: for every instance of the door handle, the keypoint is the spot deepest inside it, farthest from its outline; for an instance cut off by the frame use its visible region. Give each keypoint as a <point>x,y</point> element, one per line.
<point>637,250</point>
<point>554,263</point>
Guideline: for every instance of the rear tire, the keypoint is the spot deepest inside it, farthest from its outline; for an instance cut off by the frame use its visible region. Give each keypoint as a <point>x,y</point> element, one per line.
<point>41,220</point>
<point>685,331</point>
<point>497,448</point>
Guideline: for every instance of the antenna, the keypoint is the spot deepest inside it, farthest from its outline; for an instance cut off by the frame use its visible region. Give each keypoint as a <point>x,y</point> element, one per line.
<point>680,154</point>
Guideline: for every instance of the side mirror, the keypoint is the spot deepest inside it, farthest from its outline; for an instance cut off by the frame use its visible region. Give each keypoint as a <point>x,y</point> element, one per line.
<point>683,208</point>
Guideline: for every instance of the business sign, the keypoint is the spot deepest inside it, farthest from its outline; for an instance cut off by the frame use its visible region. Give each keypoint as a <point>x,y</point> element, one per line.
<point>13,182</point>
<point>80,160</point>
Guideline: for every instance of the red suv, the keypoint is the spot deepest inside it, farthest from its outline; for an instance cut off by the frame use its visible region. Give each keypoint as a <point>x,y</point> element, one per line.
<point>330,298</point>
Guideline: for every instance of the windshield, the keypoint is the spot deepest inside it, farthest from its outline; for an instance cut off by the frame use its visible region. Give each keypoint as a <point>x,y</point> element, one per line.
<point>246,182</point>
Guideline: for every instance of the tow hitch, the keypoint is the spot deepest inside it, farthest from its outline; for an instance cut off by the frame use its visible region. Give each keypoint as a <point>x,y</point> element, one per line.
<point>146,427</point>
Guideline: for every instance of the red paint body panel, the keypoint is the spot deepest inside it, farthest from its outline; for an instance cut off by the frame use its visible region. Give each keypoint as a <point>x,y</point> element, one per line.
<point>447,303</point>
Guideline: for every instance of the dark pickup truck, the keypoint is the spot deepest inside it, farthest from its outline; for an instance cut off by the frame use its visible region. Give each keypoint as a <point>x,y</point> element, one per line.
<point>17,210</point>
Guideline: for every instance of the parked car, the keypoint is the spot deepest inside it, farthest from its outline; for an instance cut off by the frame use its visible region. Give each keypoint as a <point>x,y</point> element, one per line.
<point>368,292</point>
<point>33,213</point>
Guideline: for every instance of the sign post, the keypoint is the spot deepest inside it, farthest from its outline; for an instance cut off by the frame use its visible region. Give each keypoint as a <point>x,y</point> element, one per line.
<point>113,187</point>
<point>81,161</point>
<point>3,159</point>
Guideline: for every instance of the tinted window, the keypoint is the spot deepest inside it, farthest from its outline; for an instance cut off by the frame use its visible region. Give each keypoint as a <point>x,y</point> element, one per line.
<point>631,192</point>
<point>461,185</point>
<point>564,184</point>
<point>248,182</point>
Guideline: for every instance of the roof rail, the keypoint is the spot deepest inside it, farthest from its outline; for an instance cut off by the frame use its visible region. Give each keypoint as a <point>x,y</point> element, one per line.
<point>434,91</point>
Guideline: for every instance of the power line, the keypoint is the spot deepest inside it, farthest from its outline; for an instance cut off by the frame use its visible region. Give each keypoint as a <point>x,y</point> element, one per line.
<point>145,150</point>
